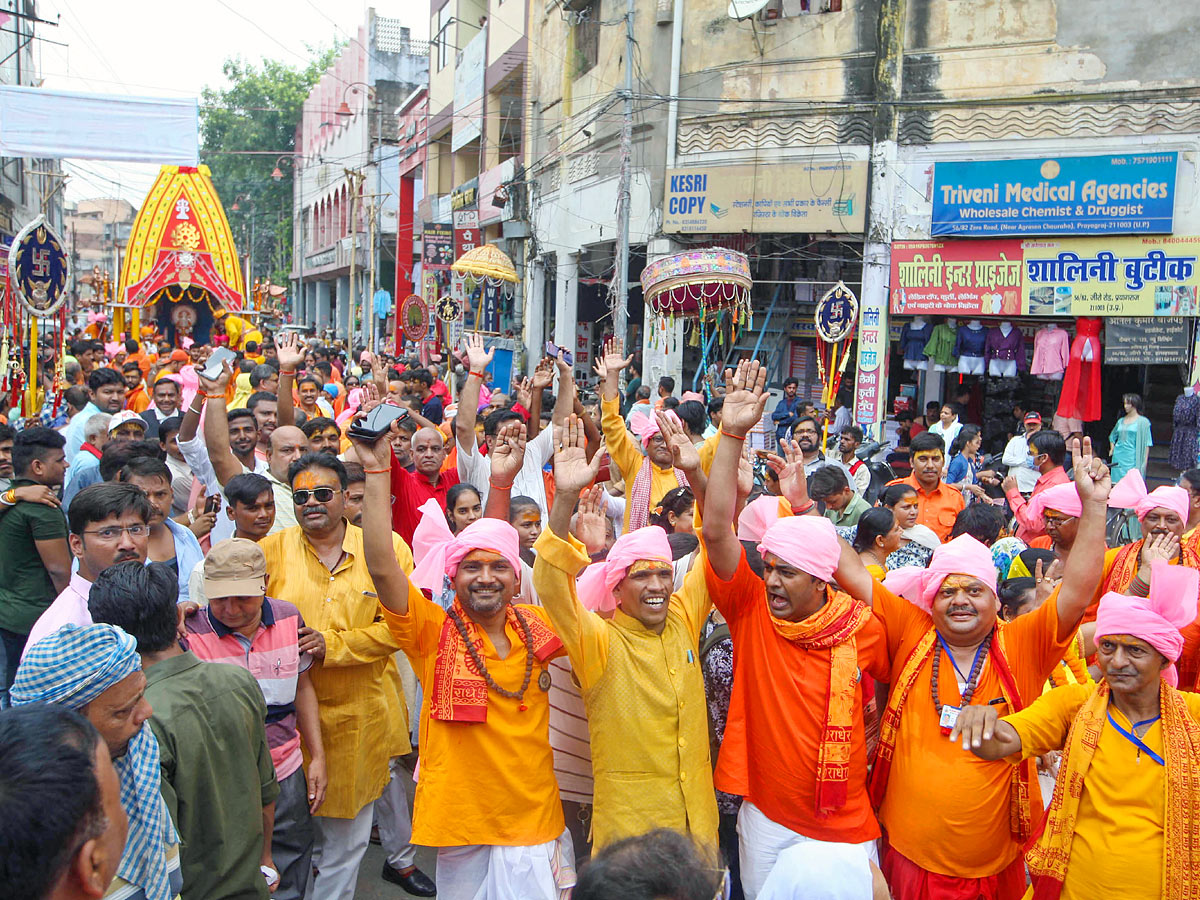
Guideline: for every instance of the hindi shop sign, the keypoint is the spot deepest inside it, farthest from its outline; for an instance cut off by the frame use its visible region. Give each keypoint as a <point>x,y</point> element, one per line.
<point>1119,276</point>
<point>1140,341</point>
<point>1132,193</point>
<point>788,197</point>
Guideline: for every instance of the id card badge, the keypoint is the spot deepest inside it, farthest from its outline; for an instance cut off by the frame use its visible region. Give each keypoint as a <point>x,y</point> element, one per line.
<point>949,718</point>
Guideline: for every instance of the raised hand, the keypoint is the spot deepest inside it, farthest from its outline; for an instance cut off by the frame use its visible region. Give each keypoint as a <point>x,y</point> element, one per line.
<point>1158,546</point>
<point>371,397</point>
<point>793,483</point>
<point>375,454</point>
<point>1092,478</point>
<point>478,357</point>
<point>590,522</point>
<point>507,452</point>
<point>216,385</point>
<point>523,392</point>
<point>614,355</point>
<point>543,375</point>
<point>1046,579</point>
<point>288,350</point>
<point>572,471</point>
<point>683,451</point>
<point>745,398</point>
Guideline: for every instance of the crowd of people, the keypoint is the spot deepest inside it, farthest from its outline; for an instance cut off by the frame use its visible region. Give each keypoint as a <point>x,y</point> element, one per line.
<point>580,640</point>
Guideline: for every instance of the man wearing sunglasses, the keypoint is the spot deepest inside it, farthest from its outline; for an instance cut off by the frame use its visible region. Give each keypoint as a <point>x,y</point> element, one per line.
<point>318,565</point>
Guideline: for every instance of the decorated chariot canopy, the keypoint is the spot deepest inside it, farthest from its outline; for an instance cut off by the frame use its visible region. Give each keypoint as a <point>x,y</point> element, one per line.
<point>709,288</point>
<point>181,246</point>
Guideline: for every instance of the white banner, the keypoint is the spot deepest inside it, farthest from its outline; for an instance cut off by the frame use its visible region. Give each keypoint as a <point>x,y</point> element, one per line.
<point>46,124</point>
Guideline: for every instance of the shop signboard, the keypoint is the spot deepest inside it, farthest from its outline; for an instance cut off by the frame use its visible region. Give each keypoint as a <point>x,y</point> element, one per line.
<point>870,385</point>
<point>1140,341</point>
<point>1118,276</point>
<point>1126,194</point>
<point>437,246</point>
<point>764,198</point>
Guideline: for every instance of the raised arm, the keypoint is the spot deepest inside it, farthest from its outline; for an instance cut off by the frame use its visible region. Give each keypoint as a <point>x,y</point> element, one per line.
<point>684,456</point>
<point>620,445</point>
<point>744,403</point>
<point>1081,575</point>
<point>216,426</point>
<point>291,357</point>
<point>543,377</point>
<point>478,360</point>
<point>506,454</point>
<point>572,473</point>
<point>391,584</point>
<point>567,397</point>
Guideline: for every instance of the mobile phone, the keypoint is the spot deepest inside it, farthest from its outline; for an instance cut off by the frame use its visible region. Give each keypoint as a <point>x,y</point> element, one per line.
<point>212,504</point>
<point>552,350</point>
<point>377,422</point>
<point>213,368</point>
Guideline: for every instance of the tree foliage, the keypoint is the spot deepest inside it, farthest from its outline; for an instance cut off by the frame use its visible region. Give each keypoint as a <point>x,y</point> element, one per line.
<point>257,109</point>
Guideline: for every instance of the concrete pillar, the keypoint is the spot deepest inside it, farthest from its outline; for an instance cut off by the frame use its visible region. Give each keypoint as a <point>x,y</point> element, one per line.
<point>535,305</point>
<point>310,303</point>
<point>566,301</point>
<point>322,304</point>
<point>341,318</point>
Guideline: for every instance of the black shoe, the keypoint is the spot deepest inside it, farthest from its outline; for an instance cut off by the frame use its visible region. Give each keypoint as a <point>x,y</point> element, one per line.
<point>415,882</point>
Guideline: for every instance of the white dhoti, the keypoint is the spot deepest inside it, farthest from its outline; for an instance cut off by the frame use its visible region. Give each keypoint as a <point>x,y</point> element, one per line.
<point>489,872</point>
<point>761,841</point>
<point>817,870</point>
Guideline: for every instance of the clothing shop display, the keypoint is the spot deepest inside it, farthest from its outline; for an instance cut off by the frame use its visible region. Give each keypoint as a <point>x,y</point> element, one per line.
<point>939,349</point>
<point>913,338</point>
<point>1184,443</point>
<point>969,347</point>
<point>1080,398</point>
<point>1051,352</point>
<point>1004,351</point>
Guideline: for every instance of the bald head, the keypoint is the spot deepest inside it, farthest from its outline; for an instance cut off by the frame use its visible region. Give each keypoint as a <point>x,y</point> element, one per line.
<point>287,445</point>
<point>428,451</point>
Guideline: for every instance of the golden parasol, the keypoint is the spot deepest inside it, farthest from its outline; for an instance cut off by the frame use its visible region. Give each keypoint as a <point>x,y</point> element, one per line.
<point>488,261</point>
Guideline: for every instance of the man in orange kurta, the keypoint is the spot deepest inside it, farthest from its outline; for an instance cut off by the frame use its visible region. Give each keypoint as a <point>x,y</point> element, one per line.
<point>938,504</point>
<point>486,793</point>
<point>956,826</point>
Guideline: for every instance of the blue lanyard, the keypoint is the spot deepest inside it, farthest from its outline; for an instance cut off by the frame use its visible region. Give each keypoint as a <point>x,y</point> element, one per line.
<point>966,678</point>
<point>1135,740</point>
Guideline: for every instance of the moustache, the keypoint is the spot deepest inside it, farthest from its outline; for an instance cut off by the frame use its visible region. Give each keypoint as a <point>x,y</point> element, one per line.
<point>959,609</point>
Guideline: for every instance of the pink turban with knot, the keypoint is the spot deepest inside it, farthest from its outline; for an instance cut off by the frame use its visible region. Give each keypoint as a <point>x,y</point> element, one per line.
<point>1155,619</point>
<point>437,551</point>
<point>1063,497</point>
<point>645,425</point>
<point>757,517</point>
<point>596,584</point>
<point>809,543</point>
<point>962,556</point>
<point>1130,493</point>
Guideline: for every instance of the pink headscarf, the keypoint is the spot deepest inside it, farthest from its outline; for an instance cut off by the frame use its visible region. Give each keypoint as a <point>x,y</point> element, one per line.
<point>809,543</point>
<point>645,425</point>
<point>353,402</point>
<point>962,556</point>
<point>1130,493</point>
<point>691,395</point>
<point>1063,497</point>
<point>1155,619</point>
<point>596,584</point>
<point>757,517</point>
<point>437,551</point>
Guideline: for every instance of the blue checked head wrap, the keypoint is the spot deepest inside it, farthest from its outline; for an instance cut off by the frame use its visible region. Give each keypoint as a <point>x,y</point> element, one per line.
<point>73,667</point>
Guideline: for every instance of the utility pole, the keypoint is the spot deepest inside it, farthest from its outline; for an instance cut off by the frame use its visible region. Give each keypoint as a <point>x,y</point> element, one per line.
<point>355,177</point>
<point>369,303</point>
<point>621,313</point>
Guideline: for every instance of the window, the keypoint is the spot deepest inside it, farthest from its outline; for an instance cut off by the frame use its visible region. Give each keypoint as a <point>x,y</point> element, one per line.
<point>441,37</point>
<point>587,38</point>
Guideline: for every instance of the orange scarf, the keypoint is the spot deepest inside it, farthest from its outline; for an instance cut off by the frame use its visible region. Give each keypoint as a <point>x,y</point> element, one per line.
<point>459,692</point>
<point>1020,812</point>
<point>1049,857</point>
<point>833,628</point>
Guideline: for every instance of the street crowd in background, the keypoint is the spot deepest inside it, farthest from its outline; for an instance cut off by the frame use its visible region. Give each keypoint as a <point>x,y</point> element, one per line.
<point>605,640</point>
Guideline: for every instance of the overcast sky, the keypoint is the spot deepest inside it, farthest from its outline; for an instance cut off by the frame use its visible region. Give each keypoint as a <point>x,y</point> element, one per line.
<point>175,48</point>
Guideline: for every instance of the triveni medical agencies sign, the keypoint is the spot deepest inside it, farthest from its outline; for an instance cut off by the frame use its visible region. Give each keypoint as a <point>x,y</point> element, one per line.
<point>1130,194</point>
<point>767,197</point>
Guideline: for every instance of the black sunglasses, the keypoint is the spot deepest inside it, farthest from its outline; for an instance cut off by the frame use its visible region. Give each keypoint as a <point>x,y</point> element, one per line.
<point>323,495</point>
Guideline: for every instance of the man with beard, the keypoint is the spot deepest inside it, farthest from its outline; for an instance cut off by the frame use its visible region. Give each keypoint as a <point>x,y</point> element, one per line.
<point>265,407</point>
<point>319,566</point>
<point>410,490</point>
<point>110,523</point>
<point>1124,816</point>
<point>96,671</point>
<point>638,670</point>
<point>136,398</point>
<point>938,505</point>
<point>786,411</point>
<point>106,393</point>
<point>807,435</point>
<point>789,620</point>
<point>486,797</point>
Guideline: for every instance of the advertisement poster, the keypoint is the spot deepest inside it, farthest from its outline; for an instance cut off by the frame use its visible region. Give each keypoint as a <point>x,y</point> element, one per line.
<point>1164,340</point>
<point>776,197</point>
<point>1120,276</point>
<point>871,378</point>
<point>1131,193</point>
<point>466,231</point>
<point>437,246</point>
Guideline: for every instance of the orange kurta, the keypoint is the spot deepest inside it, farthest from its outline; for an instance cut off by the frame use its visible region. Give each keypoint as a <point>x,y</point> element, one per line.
<point>777,712</point>
<point>486,783</point>
<point>945,809</point>
<point>137,400</point>
<point>936,509</point>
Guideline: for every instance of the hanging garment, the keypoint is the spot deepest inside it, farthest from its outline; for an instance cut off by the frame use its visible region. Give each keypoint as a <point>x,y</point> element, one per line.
<point>940,346</point>
<point>1080,398</point>
<point>1051,351</point>
<point>1005,348</point>
<point>970,342</point>
<point>1184,441</point>
<point>913,341</point>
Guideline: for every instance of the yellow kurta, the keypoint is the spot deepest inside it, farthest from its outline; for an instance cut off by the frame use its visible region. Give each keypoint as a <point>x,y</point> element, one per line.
<point>364,718</point>
<point>1118,846</point>
<point>624,451</point>
<point>644,694</point>
<point>489,782</point>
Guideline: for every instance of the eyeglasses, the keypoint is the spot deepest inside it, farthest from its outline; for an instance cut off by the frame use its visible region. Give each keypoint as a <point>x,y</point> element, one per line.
<point>323,495</point>
<point>114,532</point>
<point>1056,521</point>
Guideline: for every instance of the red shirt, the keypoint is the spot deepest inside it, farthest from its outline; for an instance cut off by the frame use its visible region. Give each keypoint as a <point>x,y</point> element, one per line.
<point>409,491</point>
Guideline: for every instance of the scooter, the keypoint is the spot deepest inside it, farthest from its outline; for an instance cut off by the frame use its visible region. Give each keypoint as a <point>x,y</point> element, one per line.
<point>881,472</point>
